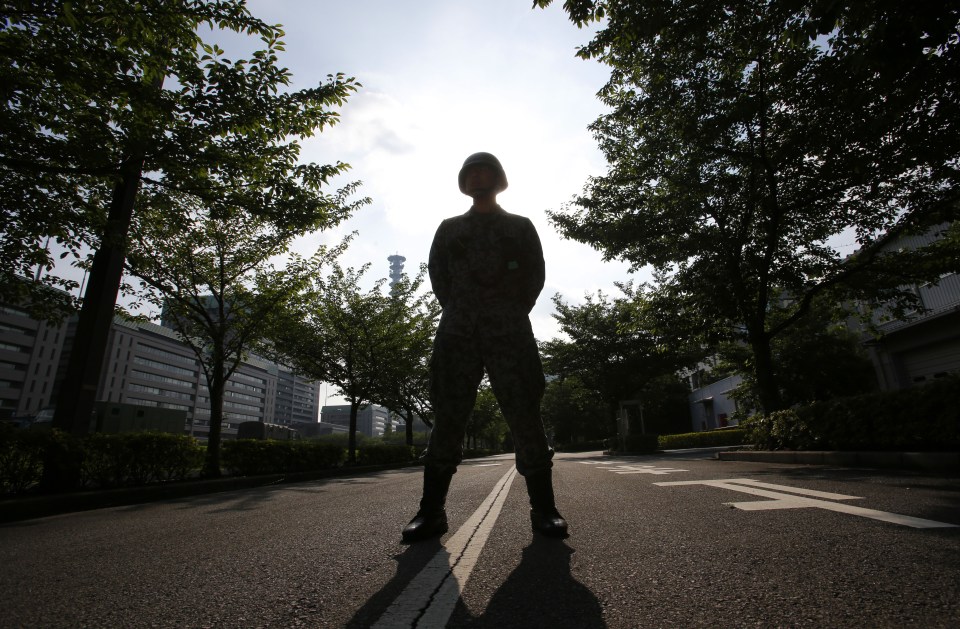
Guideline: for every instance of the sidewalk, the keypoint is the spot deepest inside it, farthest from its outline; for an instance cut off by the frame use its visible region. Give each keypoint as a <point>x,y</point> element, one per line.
<point>926,461</point>
<point>39,506</point>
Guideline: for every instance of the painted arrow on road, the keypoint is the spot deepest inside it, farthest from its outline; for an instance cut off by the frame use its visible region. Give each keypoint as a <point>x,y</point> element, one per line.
<point>785,497</point>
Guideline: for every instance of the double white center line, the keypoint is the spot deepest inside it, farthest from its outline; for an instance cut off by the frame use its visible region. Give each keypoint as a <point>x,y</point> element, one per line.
<point>432,595</point>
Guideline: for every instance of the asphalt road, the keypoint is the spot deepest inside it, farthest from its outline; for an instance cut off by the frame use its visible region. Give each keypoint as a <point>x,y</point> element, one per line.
<point>675,540</point>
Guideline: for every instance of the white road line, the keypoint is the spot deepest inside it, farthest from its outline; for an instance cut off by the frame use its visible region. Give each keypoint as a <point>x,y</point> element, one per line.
<point>726,484</point>
<point>634,469</point>
<point>793,490</point>
<point>431,596</point>
<point>644,469</point>
<point>779,500</point>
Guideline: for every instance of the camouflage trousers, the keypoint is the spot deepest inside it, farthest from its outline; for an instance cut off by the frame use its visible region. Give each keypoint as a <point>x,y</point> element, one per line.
<point>516,376</point>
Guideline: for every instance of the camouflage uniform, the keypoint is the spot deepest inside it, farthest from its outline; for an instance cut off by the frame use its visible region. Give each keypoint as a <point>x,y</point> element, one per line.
<point>487,271</point>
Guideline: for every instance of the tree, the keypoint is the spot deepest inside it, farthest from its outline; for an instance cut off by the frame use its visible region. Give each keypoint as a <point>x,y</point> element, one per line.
<point>614,347</point>
<point>211,275</point>
<point>332,330</point>
<point>403,385</point>
<point>815,360</point>
<point>486,426</point>
<point>666,405</point>
<point>743,139</point>
<point>572,412</point>
<point>103,99</point>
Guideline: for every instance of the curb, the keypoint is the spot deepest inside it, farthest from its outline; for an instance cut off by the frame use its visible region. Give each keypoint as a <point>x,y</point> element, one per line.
<point>28,508</point>
<point>925,461</point>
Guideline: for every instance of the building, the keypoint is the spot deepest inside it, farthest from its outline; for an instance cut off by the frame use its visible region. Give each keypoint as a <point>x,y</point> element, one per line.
<point>925,345</point>
<point>29,357</point>
<point>907,351</point>
<point>297,400</point>
<point>146,365</point>
<point>319,429</point>
<point>371,421</point>
<point>711,405</point>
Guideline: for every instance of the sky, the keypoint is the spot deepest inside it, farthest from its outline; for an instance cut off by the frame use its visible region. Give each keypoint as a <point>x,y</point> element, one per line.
<point>442,80</point>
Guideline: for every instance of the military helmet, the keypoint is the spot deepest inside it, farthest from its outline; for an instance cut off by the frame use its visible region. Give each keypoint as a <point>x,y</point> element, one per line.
<point>489,160</point>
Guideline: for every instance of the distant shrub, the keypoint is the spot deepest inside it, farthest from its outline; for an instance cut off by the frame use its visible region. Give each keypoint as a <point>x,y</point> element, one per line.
<point>372,453</point>
<point>138,458</point>
<point>706,439</point>
<point>106,461</point>
<point>62,460</point>
<point>253,457</point>
<point>341,439</point>
<point>96,460</point>
<point>21,458</point>
<point>774,431</point>
<point>919,418</point>
<point>307,456</point>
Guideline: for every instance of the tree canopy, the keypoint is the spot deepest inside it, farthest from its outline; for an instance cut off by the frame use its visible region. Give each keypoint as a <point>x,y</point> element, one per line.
<point>573,413</point>
<point>110,106</point>
<point>89,84</point>
<point>403,385</point>
<point>213,280</point>
<point>746,141</point>
<point>335,331</point>
<point>486,426</point>
<point>614,349</point>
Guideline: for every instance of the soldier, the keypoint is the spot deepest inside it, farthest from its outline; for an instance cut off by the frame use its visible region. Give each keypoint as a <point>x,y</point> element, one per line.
<point>487,269</point>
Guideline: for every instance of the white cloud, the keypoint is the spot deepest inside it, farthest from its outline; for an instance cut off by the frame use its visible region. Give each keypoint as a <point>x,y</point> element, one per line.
<point>441,81</point>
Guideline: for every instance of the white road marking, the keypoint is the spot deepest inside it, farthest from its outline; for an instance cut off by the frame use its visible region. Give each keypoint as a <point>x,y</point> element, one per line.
<point>785,497</point>
<point>635,469</point>
<point>644,469</point>
<point>483,464</point>
<point>431,596</point>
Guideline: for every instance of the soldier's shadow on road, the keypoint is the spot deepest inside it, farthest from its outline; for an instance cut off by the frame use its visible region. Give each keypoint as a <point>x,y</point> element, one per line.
<point>409,563</point>
<point>540,592</point>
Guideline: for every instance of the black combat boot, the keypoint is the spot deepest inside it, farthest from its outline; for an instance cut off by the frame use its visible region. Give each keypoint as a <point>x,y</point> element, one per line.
<point>544,517</point>
<point>431,519</point>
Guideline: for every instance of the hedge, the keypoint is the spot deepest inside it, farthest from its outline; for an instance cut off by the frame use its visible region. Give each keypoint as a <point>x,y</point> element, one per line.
<point>98,460</point>
<point>21,458</point>
<point>252,457</point>
<point>706,439</point>
<point>385,454</point>
<point>924,418</point>
<point>138,458</point>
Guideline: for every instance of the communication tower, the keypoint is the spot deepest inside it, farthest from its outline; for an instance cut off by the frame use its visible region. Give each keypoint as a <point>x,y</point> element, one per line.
<point>396,268</point>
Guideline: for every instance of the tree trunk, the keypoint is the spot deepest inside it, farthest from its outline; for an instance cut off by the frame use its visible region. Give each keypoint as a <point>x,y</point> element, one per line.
<point>82,379</point>
<point>768,391</point>
<point>352,447</point>
<point>409,427</point>
<point>211,468</point>
<point>78,390</point>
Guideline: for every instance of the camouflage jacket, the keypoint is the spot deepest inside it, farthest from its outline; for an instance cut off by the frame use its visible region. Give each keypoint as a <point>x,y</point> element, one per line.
<point>487,271</point>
